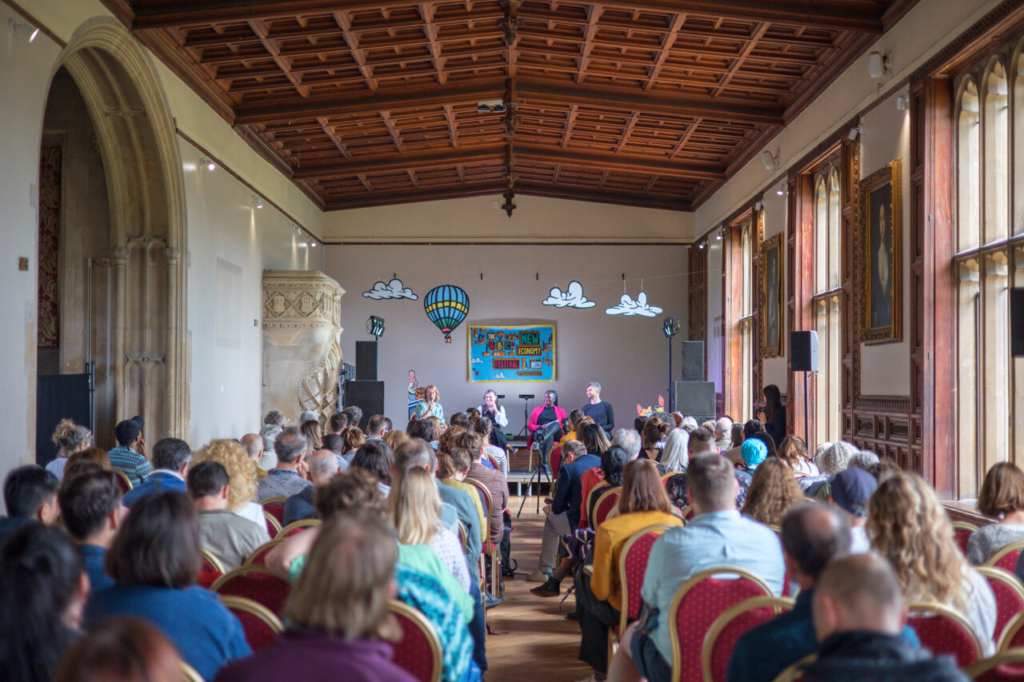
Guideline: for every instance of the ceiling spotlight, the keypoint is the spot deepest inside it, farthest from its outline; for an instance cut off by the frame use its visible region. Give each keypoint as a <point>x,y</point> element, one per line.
<point>671,326</point>
<point>781,189</point>
<point>313,244</point>
<point>210,165</point>
<point>375,326</point>
<point>23,29</point>
<point>718,237</point>
<point>878,64</point>
<point>759,205</point>
<point>903,102</point>
<point>701,246</point>
<point>770,161</point>
<point>854,133</point>
<point>256,201</point>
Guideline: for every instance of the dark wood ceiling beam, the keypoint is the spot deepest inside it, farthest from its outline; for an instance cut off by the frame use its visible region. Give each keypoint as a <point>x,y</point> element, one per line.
<point>260,28</point>
<point>627,131</point>
<point>344,22</point>
<point>453,126</point>
<point>830,16</point>
<point>666,45</point>
<point>393,131</point>
<point>619,162</point>
<point>426,11</point>
<point>594,13</point>
<point>738,63</point>
<point>602,196</point>
<point>380,163</point>
<point>469,189</point>
<point>335,138</point>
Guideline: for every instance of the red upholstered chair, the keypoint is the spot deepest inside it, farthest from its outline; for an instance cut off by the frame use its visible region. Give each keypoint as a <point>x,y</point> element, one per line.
<point>944,631</point>
<point>1009,595</point>
<point>273,509</point>
<point>604,505</point>
<point>698,602</point>
<point>255,583</point>
<point>555,460</point>
<point>1006,558</point>
<point>123,482</point>
<point>296,527</point>
<point>961,533</point>
<point>211,570</point>
<point>689,513</point>
<point>489,549</point>
<point>1005,666</point>
<point>261,626</point>
<point>1013,634</point>
<point>591,500</point>
<point>259,555</point>
<point>727,629</point>
<point>419,652</point>
<point>632,567</point>
<point>207,578</point>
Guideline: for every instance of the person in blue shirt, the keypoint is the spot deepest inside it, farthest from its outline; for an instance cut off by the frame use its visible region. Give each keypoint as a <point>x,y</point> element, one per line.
<point>154,562</point>
<point>30,494</point>
<point>813,536</point>
<point>170,457</point>
<point>130,454</point>
<point>90,505</point>
<point>718,536</point>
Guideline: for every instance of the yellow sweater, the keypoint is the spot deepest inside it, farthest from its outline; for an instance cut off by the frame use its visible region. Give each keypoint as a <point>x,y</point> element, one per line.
<point>475,496</point>
<point>611,536</point>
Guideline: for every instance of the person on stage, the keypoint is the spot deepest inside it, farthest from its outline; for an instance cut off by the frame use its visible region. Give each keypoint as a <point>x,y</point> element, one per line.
<point>430,407</point>
<point>546,413</point>
<point>598,410</point>
<point>496,413</point>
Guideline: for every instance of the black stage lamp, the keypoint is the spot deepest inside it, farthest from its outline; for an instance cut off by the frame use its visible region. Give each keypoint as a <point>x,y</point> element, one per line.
<point>671,327</point>
<point>375,326</point>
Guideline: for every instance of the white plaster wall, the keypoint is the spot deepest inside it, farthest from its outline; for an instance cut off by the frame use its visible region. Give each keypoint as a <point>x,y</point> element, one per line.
<point>628,356</point>
<point>480,220</point>
<point>776,210</point>
<point>885,368</point>
<point>230,243</point>
<point>716,315</point>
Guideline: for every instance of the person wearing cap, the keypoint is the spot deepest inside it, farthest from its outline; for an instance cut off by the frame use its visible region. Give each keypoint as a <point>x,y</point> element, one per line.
<point>754,452</point>
<point>130,454</point>
<point>849,491</point>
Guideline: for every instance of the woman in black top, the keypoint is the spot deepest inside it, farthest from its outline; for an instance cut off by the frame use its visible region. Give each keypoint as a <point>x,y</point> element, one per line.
<point>775,413</point>
<point>598,410</point>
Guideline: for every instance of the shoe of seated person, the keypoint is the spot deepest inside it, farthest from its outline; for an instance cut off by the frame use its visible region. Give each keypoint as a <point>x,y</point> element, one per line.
<point>490,601</point>
<point>538,576</point>
<point>549,589</point>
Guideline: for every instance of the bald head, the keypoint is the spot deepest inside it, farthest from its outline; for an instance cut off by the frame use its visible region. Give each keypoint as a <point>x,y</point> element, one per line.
<point>253,443</point>
<point>858,592</point>
<point>813,536</point>
<point>323,465</point>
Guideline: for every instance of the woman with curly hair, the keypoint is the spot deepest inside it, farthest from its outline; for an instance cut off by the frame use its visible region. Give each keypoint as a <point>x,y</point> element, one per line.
<point>772,491</point>
<point>445,442</point>
<point>69,439</point>
<point>1001,497</point>
<point>233,456</point>
<point>793,452</point>
<point>909,527</point>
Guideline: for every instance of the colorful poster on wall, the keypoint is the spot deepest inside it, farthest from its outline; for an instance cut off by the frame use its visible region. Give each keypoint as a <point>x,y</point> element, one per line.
<point>519,353</point>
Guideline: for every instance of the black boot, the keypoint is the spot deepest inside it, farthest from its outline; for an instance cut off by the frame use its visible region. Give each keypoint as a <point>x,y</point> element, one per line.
<point>549,589</point>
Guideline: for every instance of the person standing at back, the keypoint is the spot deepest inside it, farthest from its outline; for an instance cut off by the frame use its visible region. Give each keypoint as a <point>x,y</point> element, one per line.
<point>598,410</point>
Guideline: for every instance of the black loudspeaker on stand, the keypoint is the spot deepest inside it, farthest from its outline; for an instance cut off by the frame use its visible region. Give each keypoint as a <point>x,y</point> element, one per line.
<point>366,360</point>
<point>1017,322</point>
<point>803,353</point>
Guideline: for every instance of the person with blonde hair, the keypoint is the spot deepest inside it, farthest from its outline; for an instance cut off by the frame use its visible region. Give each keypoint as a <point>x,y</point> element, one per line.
<point>772,491</point>
<point>339,624</point>
<point>908,526</point>
<point>69,439</point>
<point>353,440</point>
<point>1001,497</point>
<point>233,456</point>
<point>414,509</point>
<point>430,406</point>
<point>394,438</point>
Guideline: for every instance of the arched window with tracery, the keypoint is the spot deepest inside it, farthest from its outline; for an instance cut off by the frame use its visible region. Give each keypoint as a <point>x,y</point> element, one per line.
<point>826,304</point>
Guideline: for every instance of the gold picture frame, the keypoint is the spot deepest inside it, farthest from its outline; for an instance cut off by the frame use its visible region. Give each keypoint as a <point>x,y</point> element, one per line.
<point>772,311</point>
<point>881,285</point>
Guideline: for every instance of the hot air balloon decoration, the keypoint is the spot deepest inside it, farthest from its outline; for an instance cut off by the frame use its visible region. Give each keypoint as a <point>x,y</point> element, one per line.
<point>446,306</point>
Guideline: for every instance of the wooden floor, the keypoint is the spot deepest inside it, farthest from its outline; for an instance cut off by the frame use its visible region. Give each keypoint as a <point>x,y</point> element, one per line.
<point>533,641</point>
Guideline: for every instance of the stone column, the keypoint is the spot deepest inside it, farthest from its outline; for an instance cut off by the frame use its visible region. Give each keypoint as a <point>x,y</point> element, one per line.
<point>301,351</point>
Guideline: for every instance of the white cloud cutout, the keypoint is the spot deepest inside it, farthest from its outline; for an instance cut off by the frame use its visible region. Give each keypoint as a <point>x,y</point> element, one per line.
<point>629,307</point>
<point>500,375</point>
<point>393,289</point>
<point>572,297</point>
<point>476,361</point>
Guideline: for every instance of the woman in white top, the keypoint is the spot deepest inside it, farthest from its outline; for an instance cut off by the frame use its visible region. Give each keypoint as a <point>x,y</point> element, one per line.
<point>793,452</point>
<point>492,410</point>
<point>909,527</point>
<point>69,439</point>
<point>482,426</point>
<point>1001,497</point>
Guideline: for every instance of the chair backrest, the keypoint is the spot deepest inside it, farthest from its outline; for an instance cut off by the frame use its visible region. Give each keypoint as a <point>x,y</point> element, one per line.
<point>1013,634</point>
<point>123,482</point>
<point>727,629</point>
<point>463,536</point>
<point>1006,558</point>
<point>632,567</point>
<point>1005,666</point>
<point>944,631</point>
<point>604,505</point>
<point>261,626</point>
<point>665,477</point>
<point>689,513</point>
<point>211,564</point>
<point>419,653</point>
<point>189,674</point>
<point>296,527</point>
<point>273,523</point>
<point>698,602</point>
<point>961,533</point>
<point>794,672</point>
<point>555,460</point>
<point>259,555</point>
<point>599,488</point>
<point>254,582</point>
<point>487,499</point>
<point>275,507</point>
<point>1009,595</point>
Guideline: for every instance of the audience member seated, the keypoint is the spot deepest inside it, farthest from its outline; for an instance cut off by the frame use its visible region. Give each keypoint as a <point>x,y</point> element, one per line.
<point>43,590</point>
<point>859,612</point>
<point>723,435</point>
<point>376,427</point>
<point>495,484</point>
<point>394,438</point>
<point>884,469</point>
<point>734,453</point>
<point>610,472</point>
<point>171,459</point>
<point>643,503</point>
<point>655,432</point>
<point>835,457</point>
<point>355,415</point>
<point>717,536</point>
<point>130,454</point>
<point>155,560</point>
<point>268,460</point>
<point>336,444</point>
<point>337,423</point>
<point>575,417</point>
<point>424,429</point>
<point>224,534</point>
<point>121,650</point>
<point>93,454</point>
<point>30,494</point>
<point>676,455</point>
<point>275,418</point>
<point>374,456</point>
<point>456,467</point>
<point>285,479</point>
<point>69,439</point>
<point>773,490</point>
<point>849,491</point>
<point>338,619</point>
<point>862,459</point>
<point>482,427</point>
<point>564,516</point>
<point>323,465</point>
<point>908,526</point>
<point>446,441</point>
<point>90,505</point>
<point>750,429</point>
<point>353,440</point>
<point>1001,497</point>
<point>244,484</point>
<point>793,451</point>
<point>629,440</point>
<point>253,444</point>
<point>754,452</point>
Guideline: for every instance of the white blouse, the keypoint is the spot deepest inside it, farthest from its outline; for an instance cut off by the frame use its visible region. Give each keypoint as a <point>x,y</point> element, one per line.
<point>448,548</point>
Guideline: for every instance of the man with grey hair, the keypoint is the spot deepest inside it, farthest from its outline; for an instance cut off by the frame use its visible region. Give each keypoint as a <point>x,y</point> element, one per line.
<point>355,415</point>
<point>629,440</point>
<point>862,460</point>
<point>285,479</point>
<point>723,434</point>
<point>268,434</point>
<point>275,418</point>
<point>689,424</point>
<point>322,467</point>
<point>835,458</point>
<point>307,416</point>
<point>598,410</point>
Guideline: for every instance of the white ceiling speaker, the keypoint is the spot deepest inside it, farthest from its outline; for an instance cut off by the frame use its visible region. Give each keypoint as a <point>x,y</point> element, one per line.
<point>878,64</point>
<point>770,161</point>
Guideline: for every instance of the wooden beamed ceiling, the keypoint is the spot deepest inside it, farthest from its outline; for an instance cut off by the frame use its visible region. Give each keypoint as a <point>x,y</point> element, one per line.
<point>649,103</point>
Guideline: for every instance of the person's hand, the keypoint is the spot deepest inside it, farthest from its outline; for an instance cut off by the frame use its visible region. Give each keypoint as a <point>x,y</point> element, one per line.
<point>142,447</point>
<point>304,470</point>
<point>547,509</point>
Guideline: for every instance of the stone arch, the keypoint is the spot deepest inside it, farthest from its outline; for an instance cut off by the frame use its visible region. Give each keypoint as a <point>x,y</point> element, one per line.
<point>136,137</point>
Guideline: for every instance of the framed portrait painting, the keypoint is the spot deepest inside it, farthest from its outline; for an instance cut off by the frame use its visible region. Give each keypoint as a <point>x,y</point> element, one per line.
<point>881,228</point>
<point>771,297</point>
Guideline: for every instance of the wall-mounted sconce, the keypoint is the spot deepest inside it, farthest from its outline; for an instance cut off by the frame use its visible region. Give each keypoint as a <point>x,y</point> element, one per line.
<point>256,201</point>
<point>770,161</point>
<point>759,206</point>
<point>903,101</point>
<point>878,65</point>
<point>210,165</point>
<point>24,29</point>
<point>854,133</point>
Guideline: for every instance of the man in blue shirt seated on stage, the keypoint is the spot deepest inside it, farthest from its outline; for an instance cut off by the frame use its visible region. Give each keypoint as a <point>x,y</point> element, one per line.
<point>718,536</point>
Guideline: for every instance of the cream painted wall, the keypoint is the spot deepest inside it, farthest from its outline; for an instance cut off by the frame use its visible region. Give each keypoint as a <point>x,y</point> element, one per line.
<point>478,219</point>
<point>715,335</point>
<point>885,368</point>
<point>627,355</point>
<point>776,210</point>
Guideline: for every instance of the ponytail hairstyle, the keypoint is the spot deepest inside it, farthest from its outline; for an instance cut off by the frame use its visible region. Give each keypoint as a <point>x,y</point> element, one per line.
<point>71,438</point>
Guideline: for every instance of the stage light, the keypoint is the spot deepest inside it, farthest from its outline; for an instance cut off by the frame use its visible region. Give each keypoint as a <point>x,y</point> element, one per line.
<point>210,165</point>
<point>671,326</point>
<point>375,326</point>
